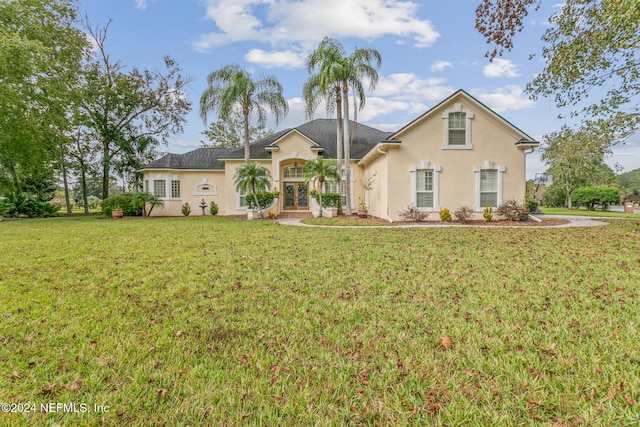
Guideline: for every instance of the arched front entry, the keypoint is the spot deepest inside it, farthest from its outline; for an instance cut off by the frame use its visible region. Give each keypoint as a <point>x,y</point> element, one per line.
<point>295,192</point>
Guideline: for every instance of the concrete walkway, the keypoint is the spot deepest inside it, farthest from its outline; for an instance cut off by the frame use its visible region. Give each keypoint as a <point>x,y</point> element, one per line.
<point>574,221</point>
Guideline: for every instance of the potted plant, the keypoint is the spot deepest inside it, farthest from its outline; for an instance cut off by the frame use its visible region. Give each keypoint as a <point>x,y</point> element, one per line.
<point>116,211</point>
<point>362,209</point>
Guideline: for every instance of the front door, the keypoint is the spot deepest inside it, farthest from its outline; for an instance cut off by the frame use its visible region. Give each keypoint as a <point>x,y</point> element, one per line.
<point>296,196</point>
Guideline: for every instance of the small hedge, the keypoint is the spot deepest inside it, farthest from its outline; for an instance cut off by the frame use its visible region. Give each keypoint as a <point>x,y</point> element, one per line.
<point>265,198</point>
<point>330,200</point>
<point>590,196</point>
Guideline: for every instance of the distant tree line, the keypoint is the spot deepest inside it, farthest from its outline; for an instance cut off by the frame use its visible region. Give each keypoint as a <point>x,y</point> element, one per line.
<point>69,111</point>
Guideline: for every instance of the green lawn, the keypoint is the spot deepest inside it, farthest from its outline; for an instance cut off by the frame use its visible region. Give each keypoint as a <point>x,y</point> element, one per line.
<point>584,212</point>
<point>210,321</point>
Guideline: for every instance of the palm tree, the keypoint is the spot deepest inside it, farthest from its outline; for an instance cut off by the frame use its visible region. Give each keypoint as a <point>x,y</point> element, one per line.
<point>356,68</point>
<point>326,85</point>
<point>233,89</point>
<point>321,170</point>
<point>251,178</point>
<point>336,74</point>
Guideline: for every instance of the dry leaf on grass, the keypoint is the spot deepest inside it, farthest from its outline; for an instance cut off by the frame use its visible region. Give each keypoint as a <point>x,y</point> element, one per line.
<point>446,342</point>
<point>75,385</point>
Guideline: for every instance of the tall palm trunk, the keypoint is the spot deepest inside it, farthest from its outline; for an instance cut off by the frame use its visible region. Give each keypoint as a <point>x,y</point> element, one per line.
<point>347,147</point>
<point>321,182</point>
<point>247,148</point>
<point>339,132</point>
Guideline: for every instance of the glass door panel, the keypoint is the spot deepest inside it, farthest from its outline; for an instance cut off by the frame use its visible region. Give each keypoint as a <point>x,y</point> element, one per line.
<point>290,196</point>
<point>303,200</point>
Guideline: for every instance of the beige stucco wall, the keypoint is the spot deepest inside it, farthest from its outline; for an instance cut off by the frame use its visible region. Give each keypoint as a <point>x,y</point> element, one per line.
<point>192,182</point>
<point>378,198</point>
<point>231,200</point>
<point>493,141</point>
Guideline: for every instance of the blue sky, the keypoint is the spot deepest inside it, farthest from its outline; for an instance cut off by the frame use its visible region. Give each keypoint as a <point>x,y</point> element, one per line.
<point>429,49</point>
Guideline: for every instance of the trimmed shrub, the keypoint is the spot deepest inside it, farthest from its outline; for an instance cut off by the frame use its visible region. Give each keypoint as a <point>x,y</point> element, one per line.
<point>186,209</point>
<point>488,213</point>
<point>512,210</point>
<point>463,213</point>
<point>265,198</point>
<point>445,215</point>
<point>213,208</point>
<point>412,213</point>
<point>590,196</point>
<point>532,205</point>
<point>330,200</point>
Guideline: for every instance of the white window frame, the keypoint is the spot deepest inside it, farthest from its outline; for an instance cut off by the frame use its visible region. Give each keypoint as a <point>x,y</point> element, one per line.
<point>332,187</point>
<point>167,186</point>
<point>241,200</point>
<point>457,108</point>
<point>488,165</point>
<point>298,172</point>
<point>172,188</point>
<point>162,186</point>
<point>436,169</point>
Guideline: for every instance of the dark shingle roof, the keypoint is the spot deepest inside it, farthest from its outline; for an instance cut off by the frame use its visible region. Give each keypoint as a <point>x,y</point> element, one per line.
<point>321,131</point>
<point>202,158</point>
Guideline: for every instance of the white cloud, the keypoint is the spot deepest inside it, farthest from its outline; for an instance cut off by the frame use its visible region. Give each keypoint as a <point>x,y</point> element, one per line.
<point>509,98</point>
<point>284,59</point>
<point>441,65</point>
<point>141,4</point>
<point>305,22</point>
<point>183,143</point>
<point>501,68</point>
<point>412,88</point>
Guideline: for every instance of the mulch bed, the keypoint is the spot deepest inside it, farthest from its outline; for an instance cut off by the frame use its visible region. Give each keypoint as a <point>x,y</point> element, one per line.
<point>547,222</point>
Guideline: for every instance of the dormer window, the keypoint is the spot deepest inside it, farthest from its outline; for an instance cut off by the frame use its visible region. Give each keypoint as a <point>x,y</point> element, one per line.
<point>457,128</point>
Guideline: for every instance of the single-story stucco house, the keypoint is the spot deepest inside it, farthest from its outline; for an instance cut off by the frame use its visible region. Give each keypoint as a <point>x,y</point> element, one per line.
<point>458,153</point>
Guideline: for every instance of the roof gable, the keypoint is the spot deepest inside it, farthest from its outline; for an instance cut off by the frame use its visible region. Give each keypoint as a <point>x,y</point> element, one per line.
<point>459,94</point>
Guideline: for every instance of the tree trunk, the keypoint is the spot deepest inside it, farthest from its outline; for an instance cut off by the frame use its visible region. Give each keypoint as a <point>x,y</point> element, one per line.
<point>247,148</point>
<point>83,176</point>
<point>106,168</point>
<point>339,132</point>
<point>65,182</point>
<point>347,147</point>
<point>14,177</point>
<point>85,199</point>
